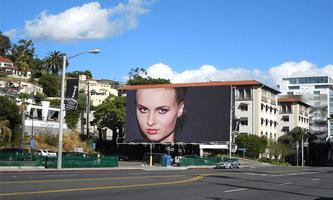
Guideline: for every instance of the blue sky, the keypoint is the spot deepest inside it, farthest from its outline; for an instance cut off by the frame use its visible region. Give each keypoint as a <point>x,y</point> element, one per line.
<point>183,40</point>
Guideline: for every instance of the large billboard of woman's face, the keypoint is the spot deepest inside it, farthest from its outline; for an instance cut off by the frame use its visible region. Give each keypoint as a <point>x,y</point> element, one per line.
<point>179,114</point>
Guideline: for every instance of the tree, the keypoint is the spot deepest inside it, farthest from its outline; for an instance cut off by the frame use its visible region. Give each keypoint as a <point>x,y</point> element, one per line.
<point>254,145</point>
<point>111,114</point>
<point>9,111</point>
<point>5,131</point>
<point>5,44</point>
<point>51,84</point>
<point>75,74</point>
<point>54,61</point>
<point>138,76</point>
<point>22,55</point>
<point>297,134</point>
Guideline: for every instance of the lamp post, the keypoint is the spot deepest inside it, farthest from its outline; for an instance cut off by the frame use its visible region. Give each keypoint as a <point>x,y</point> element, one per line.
<point>60,136</point>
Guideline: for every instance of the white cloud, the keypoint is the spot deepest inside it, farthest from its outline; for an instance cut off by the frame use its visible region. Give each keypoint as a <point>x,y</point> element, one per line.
<point>11,33</point>
<point>88,21</point>
<point>303,68</point>
<point>271,77</point>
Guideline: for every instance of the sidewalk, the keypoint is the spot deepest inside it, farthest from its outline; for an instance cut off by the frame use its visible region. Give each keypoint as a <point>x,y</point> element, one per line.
<point>128,165</point>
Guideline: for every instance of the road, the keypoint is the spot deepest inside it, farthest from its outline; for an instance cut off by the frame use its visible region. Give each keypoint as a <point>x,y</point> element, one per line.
<point>211,184</point>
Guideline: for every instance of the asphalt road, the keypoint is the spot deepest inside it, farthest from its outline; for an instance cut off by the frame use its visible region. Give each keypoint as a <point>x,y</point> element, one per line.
<point>211,184</point>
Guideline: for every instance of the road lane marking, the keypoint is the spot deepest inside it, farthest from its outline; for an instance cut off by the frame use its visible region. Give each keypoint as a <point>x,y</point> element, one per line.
<point>301,173</point>
<point>316,179</point>
<point>193,179</point>
<point>289,183</point>
<point>236,190</point>
<point>89,179</point>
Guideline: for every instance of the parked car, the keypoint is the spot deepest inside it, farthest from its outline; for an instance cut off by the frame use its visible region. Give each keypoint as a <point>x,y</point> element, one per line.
<point>228,163</point>
<point>45,152</point>
<point>84,155</point>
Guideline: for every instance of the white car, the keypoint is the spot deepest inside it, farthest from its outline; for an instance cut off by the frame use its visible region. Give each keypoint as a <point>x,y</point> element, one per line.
<point>45,152</point>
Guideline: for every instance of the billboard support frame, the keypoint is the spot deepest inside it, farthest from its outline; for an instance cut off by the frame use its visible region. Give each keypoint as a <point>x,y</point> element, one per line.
<point>231,116</point>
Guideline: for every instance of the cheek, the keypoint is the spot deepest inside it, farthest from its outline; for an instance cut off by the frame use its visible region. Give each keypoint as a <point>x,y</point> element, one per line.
<point>141,119</point>
<point>168,121</point>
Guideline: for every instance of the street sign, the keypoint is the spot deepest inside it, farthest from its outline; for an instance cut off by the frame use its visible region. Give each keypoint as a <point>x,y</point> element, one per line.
<point>70,104</point>
<point>32,143</point>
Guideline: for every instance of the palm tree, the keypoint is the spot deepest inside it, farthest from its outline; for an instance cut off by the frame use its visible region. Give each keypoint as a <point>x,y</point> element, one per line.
<point>297,134</point>
<point>5,131</point>
<point>53,62</point>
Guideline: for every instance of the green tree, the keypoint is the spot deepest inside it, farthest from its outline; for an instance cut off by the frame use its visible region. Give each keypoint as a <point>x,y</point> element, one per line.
<point>138,76</point>
<point>51,84</point>
<point>279,150</point>
<point>23,55</point>
<point>72,116</point>
<point>5,44</point>
<point>297,134</point>
<point>254,145</point>
<point>111,114</point>
<point>54,61</point>
<point>9,111</point>
<point>5,131</point>
<point>75,74</point>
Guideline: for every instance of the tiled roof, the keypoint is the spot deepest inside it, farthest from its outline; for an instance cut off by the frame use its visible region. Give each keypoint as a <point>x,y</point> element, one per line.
<point>291,100</point>
<point>201,84</point>
<point>5,60</point>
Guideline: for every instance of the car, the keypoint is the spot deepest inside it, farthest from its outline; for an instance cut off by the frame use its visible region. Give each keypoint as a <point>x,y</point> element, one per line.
<point>45,152</point>
<point>228,163</point>
<point>80,154</point>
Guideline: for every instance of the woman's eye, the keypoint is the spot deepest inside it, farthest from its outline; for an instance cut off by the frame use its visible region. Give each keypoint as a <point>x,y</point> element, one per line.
<point>163,110</point>
<point>143,110</point>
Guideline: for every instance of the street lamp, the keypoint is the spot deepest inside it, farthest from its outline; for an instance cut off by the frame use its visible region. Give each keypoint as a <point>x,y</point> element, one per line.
<point>60,136</point>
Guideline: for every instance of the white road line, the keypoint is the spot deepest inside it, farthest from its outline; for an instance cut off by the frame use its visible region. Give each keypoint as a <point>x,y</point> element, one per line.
<point>301,173</point>
<point>285,183</point>
<point>316,179</point>
<point>235,190</point>
<point>277,175</point>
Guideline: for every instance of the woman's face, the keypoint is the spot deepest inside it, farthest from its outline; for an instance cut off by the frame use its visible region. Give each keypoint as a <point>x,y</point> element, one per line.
<point>157,112</point>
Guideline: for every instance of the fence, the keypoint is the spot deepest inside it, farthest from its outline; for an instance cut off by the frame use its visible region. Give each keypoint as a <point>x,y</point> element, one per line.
<point>14,159</point>
<point>187,161</point>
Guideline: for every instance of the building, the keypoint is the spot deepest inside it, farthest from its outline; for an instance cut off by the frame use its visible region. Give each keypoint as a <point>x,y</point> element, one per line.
<point>7,68</point>
<point>42,119</point>
<point>316,91</point>
<point>99,89</point>
<point>257,109</point>
<point>292,113</point>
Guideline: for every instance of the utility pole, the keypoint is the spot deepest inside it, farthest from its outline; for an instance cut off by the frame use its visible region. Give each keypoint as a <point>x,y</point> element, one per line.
<point>88,109</point>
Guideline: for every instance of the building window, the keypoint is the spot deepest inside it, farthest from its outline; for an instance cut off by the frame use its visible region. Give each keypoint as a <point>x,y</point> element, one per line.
<point>248,94</point>
<point>285,129</point>
<point>262,121</point>
<point>241,94</point>
<point>271,122</point>
<point>266,122</point>
<point>243,107</point>
<point>290,93</point>
<point>243,121</point>
<point>293,87</point>
<point>285,118</point>
<point>316,92</point>
<point>262,106</point>
<point>275,123</point>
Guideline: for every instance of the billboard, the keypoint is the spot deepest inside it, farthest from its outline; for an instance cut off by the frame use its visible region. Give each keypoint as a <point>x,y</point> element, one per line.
<point>178,114</point>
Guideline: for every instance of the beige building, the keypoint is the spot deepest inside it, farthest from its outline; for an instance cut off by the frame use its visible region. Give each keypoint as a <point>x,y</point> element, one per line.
<point>256,108</point>
<point>292,113</point>
<point>99,90</point>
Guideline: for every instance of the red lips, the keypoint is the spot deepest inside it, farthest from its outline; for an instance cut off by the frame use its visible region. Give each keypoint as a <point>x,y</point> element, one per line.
<point>152,131</point>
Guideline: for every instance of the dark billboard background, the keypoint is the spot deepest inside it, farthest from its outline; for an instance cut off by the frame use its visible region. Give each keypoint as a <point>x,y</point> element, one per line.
<point>206,115</point>
<point>72,87</point>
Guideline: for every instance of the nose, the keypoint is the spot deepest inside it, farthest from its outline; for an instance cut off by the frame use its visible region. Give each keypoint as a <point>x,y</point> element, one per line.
<point>151,119</point>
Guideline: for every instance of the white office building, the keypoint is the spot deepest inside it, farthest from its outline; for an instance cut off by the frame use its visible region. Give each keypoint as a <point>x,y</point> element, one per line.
<point>316,91</point>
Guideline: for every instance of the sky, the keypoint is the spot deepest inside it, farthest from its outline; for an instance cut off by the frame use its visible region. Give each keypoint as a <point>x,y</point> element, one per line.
<point>181,40</point>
